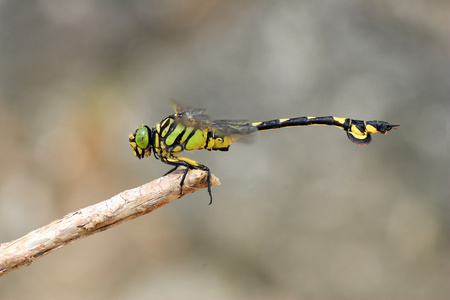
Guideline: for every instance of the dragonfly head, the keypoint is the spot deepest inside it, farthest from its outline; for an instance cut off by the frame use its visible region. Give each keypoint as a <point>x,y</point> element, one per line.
<point>141,141</point>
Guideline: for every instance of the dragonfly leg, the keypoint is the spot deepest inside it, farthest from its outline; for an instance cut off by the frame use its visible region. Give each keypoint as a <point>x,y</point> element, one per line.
<point>189,164</point>
<point>208,180</point>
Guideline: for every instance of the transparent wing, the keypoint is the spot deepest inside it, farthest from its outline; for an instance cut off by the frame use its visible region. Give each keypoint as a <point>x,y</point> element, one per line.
<point>195,117</point>
<point>233,127</point>
<point>183,109</point>
<point>190,116</point>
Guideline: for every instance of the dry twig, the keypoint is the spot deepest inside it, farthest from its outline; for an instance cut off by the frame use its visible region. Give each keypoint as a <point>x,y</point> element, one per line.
<point>125,206</point>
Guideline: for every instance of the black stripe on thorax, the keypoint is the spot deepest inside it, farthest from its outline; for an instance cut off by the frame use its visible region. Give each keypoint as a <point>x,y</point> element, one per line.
<point>187,139</point>
<point>171,128</point>
<point>164,123</point>
<point>177,140</point>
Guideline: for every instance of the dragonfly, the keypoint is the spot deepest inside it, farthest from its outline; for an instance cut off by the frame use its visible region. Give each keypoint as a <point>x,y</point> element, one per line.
<point>191,129</point>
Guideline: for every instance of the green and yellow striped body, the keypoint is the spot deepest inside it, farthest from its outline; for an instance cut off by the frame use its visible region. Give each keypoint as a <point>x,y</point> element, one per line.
<point>172,137</point>
<point>189,129</point>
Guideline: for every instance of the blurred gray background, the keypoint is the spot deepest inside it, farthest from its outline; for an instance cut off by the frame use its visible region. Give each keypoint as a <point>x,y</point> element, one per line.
<point>302,213</point>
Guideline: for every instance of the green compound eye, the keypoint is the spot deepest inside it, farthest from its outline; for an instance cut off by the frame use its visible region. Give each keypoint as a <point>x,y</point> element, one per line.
<point>142,137</point>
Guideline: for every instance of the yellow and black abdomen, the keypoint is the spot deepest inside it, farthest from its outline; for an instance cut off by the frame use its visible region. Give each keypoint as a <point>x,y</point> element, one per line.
<point>357,131</point>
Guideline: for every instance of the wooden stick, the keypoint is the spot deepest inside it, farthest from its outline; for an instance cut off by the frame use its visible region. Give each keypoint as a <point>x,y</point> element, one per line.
<point>125,206</point>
